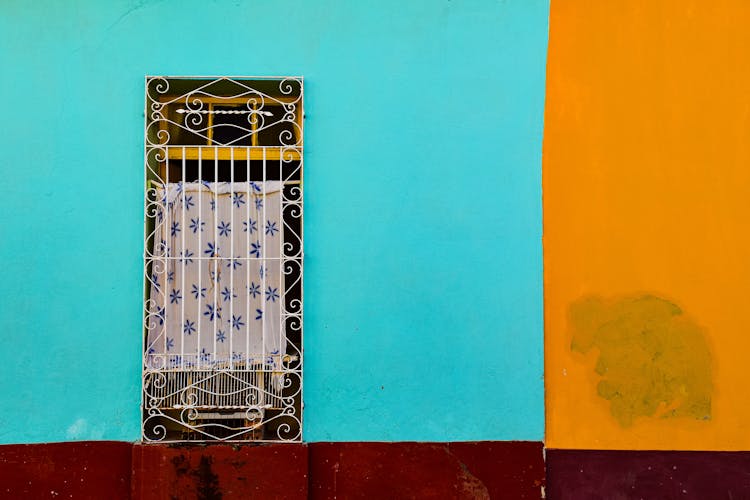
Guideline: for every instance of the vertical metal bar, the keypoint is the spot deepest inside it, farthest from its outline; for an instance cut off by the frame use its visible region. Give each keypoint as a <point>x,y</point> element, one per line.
<point>247,262</point>
<point>146,260</point>
<point>302,248</point>
<point>263,266</point>
<point>184,250</point>
<point>282,280</point>
<point>210,125</point>
<point>231,253</point>
<point>169,252</point>
<point>254,125</point>
<point>217,262</point>
<point>199,252</point>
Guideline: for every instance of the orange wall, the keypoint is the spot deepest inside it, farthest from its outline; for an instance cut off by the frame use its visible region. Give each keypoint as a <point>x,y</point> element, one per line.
<point>646,178</point>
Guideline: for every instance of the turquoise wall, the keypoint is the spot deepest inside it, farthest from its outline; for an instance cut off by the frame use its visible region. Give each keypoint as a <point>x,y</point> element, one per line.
<point>423,282</point>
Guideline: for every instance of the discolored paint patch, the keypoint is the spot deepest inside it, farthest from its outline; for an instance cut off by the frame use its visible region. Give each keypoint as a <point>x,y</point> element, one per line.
<point>653,360</point>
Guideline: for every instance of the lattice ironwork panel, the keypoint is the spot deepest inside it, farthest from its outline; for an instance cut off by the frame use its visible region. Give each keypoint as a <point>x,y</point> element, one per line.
<point>222,336</point>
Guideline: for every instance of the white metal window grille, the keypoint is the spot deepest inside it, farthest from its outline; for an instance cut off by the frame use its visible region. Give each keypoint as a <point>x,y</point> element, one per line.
<point>222,355</point>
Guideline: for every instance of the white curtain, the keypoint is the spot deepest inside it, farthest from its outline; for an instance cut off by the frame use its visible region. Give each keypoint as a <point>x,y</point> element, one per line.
<point>215,282</point>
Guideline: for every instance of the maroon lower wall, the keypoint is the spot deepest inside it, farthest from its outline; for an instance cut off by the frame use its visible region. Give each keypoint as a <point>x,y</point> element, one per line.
<point>289,471</point>
<point>507,470</point>
<point>220,471</point>
<point>96,469</point>
<point>663,475</point>
<point>427,470</point>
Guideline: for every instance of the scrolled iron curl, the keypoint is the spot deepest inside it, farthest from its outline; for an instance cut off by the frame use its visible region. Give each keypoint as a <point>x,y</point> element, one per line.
<point>162,135</point>
<point>193,120</point>
<point>161,86</point>
<point>153,402</point>
<point>148,305</point>
<point>151,309</point>
<point>159,380</point>
<point>160,252</point>
<point>258,120</point>
<point>156,117</point>
<point>152,323</point>
<point>188,414</point>
<point>287,383</point>
<point>285,429</point>
<point>286,87</point>
<point>156,111</point>
<point>152,195</point>
<point>188,398</point>
<point>291,266</point>
<point>285,138</point>
<point>158,431</point>
<point>193,102</point>
<point>298,130</point>
<point>158,266</point>
<point>288,151</point>
<point>157,153</point>
<point>295,306</point>
<point>295,192</point>
<point>157,362</point>
<point>256,102</point>
<point>294,323</point>
<point>292,250</point>
<point>289,408</point>
<point>293,210</point>
<point>292,246</point>
<point>153,206</point>
<point>254,413</point>
<point>253,397</point>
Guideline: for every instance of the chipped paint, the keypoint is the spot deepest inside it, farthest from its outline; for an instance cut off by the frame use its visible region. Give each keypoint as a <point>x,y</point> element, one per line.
<point>653,360</point>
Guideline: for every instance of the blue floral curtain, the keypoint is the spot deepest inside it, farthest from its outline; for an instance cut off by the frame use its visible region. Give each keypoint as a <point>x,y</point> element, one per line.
<point>215,282</point>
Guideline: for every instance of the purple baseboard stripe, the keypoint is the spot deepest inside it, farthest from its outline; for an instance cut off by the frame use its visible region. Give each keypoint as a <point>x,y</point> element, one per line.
<point>663,475</point>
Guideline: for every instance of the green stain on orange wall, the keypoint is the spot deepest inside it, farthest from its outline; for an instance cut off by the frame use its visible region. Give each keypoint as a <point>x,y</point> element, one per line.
<point>653,360</point>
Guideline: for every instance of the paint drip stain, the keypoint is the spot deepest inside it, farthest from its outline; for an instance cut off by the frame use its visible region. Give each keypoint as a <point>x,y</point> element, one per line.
<point>653,360</point>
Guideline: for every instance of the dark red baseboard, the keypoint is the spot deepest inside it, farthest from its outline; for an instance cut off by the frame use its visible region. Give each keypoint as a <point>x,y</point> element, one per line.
<point>93,469</point>
<point>663,475</point>
<point>220,471</point>
<point>485,469</point>
<point>83,470</point>
<point>507,470</point>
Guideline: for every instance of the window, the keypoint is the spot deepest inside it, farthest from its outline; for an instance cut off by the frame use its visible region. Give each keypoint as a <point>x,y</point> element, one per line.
<point>222,357</point>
